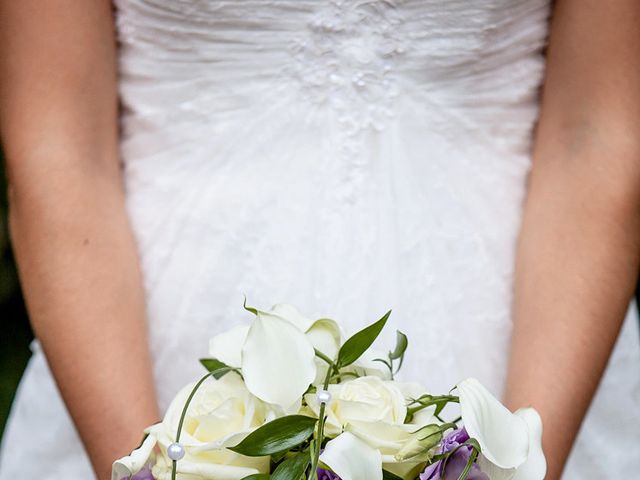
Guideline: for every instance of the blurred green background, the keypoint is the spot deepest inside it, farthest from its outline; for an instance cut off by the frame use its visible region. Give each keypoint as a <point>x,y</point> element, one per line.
<point>15,333</point>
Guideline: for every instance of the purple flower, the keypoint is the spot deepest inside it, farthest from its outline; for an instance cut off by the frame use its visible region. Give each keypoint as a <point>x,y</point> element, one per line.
<point>456,461</point>
<point>144,474</point>
<point>327,475</point>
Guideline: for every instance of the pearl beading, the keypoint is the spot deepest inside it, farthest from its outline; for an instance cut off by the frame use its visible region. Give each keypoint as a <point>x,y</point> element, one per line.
<point>347,60</point>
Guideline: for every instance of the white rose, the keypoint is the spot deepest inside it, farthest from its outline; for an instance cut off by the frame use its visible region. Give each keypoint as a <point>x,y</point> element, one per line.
<point>220,415</point>
<point>366,399</point>
<point>374,410</point>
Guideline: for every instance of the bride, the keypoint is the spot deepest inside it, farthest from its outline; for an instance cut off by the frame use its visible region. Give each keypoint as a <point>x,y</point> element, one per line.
<point>345,156</point>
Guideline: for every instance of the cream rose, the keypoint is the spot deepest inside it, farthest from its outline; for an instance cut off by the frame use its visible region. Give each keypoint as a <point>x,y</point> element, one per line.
<point>364,399</point>
<point>374,411</point>
<point>221,414</point>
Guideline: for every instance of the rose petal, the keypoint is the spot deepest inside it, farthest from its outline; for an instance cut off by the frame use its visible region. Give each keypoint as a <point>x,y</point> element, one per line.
<point>352,459</point>
<point>205,470</point>
<point>227,346</point>
<point>535,467</point>
<point>385,437</point>
<point>278,361</point>
<point>172,416</point>
<point>502,435</point>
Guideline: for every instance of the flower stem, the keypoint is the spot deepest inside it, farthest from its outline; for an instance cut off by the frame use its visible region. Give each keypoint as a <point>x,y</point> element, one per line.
<point>322,356</point>
<point>428,401</point>
<point>313,474</point>
<point>174,465</point>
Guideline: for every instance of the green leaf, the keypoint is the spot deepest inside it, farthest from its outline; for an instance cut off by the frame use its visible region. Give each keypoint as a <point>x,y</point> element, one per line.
<point>355,346</point>
<point>430,435</point>
<point>292,468</point>
<point>249,309</point>
<point>258,476</point>
<point>426,401</point>
<point>278,457</point>
<point>217,368</point>
<point>402,342</point>
<point>278,435</point>
<point>387,475</point>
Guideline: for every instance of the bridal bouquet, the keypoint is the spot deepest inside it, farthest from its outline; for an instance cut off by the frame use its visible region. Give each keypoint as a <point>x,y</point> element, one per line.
<point>287,399</point>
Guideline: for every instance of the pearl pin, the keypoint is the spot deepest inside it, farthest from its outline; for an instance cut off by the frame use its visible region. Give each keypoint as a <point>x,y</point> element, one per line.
<point>175,451</point>
<point>323,396</point>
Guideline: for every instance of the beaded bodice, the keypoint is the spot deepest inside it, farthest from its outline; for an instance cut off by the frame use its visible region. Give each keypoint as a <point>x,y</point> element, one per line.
<point>356,56</point>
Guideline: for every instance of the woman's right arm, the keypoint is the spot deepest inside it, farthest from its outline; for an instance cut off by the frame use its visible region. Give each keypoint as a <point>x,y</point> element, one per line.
<point>75,251</point>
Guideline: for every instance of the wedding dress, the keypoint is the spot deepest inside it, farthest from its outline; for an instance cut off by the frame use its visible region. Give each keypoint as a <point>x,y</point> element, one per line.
<point>346,157</point>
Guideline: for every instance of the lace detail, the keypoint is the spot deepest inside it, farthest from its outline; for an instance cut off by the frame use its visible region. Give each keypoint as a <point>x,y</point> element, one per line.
<point>347,59</point>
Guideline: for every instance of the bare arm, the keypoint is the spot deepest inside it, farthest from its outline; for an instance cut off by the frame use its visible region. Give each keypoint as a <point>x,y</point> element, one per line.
<point>75,252</point>
<point>579,248</point>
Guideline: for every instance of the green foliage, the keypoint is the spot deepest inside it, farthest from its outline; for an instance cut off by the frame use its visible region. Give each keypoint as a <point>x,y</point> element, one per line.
<point>217,368</point>
<point>249,309</point>
<point>360,342</point>
<point>440,401</point>
<point>472,458</point>
<point>397,354</point>
<point>258,476</point>
<point>281,434</point>
<point>292,468</point>
<point>402,342</point>
<point>387,475</point>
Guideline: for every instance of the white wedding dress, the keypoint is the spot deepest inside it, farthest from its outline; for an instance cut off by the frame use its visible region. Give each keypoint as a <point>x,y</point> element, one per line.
<point>346,157</point>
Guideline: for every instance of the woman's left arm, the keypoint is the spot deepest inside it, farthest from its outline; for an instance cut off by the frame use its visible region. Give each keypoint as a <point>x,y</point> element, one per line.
<point>579,249</point>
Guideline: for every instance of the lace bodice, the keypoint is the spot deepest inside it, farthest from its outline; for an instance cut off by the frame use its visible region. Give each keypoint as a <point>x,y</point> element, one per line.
<point>354,55</point>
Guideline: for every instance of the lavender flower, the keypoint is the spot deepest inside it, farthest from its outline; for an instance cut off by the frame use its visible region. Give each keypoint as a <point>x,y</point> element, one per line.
<point>456,462</point>
<point>144,474</point>
<point>327,475</point>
